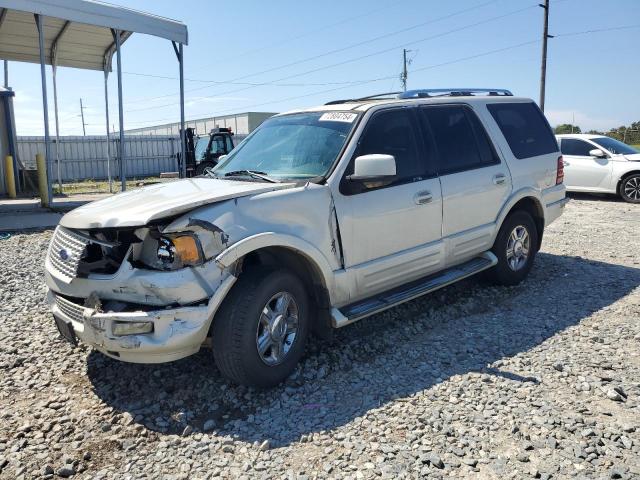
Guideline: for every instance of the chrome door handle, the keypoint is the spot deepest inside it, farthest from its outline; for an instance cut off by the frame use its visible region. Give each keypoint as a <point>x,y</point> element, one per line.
<point>423,197</point>
<point>499,178</point>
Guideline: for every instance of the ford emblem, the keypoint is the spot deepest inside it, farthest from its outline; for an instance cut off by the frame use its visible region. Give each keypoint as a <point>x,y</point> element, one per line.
<point>64,255</point>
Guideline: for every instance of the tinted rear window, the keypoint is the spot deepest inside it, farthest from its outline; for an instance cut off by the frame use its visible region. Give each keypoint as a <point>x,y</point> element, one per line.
<point>525,128</point>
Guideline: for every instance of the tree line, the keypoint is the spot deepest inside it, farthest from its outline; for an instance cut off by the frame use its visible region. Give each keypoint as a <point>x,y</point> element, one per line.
<point>628,134</point>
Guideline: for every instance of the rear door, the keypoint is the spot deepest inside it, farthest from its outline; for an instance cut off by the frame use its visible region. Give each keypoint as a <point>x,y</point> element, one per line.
<point>581,169</point>
<point>475,183</point>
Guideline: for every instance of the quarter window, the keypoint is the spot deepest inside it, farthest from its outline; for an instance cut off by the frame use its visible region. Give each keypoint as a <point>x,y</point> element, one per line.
<point>524,127</point>
<point>460,138</point>
<point>573,146</point>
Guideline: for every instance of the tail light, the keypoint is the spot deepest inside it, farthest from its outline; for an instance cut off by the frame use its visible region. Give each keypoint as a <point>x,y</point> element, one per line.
<point>560,171</point>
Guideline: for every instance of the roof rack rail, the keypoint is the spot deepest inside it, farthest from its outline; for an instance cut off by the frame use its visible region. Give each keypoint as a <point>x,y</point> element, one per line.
<point>379,96</point>
<point>454,92</point>
<point>429,93</point>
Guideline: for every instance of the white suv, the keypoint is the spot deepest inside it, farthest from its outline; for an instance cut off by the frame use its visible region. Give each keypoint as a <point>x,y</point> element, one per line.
<point>321,217</point>
<point>600,164</point>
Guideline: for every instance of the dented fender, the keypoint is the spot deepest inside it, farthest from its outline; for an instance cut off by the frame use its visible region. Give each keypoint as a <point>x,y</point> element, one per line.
<point>271,239</point>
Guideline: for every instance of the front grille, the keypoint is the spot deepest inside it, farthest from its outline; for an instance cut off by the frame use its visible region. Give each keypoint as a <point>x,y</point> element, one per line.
<point>73,311</point>
<point>65,252</point>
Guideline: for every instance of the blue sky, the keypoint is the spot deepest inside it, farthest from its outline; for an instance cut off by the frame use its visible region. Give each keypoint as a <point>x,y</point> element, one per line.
<point>313,52</point>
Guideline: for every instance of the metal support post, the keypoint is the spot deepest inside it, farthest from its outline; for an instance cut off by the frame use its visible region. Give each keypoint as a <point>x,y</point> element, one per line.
<point>47,158</point>
<point>123,179</point>
<point>106,109</point>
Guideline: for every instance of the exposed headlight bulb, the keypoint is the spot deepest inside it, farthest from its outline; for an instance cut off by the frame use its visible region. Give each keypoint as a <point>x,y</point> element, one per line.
<point>166,251</point>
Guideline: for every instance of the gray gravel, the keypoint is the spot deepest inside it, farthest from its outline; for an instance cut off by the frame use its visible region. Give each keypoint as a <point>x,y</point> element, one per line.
<point>536,381</point>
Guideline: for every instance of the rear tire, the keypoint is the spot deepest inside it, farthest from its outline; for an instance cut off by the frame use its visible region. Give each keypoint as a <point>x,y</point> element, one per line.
<point>515,246</point>
<point>629,188</point>
<point>260,331</point>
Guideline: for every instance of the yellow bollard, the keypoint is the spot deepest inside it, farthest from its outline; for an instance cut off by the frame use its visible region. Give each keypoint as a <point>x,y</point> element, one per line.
<point>42,180</point>
<point>10,180</point>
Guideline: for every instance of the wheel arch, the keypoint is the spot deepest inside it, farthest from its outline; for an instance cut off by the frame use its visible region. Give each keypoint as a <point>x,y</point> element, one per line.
<point>624,176</point>
<point>300,257</point>
<point>528,201</point>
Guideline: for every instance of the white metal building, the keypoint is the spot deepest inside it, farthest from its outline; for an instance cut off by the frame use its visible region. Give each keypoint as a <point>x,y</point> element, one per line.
<point>241,124</point>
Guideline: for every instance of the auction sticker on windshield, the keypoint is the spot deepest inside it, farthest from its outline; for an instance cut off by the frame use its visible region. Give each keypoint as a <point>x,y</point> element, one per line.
<point>338,117</point>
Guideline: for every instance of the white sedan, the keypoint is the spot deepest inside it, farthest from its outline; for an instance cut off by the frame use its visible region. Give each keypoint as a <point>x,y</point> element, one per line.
<point>599,164</point>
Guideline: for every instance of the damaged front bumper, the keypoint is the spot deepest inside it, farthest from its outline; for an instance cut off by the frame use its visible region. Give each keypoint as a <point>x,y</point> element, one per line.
<point>176,332</point>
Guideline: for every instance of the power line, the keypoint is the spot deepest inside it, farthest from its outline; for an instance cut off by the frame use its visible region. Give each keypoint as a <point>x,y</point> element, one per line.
<point>341,49</point>
<point>351,60</point>
<point>597,30</point>
<point>215,82</point>
<point>360,82</point>
<point>307,33</point>
<point>388,77</point>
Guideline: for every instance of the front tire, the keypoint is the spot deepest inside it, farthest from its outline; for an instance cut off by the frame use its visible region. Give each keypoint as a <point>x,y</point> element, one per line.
<point>260,331</point>
<point>515,246</point>
<point>629,188</point>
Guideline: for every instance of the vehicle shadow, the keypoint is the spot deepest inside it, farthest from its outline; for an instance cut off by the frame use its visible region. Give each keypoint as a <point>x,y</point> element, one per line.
<point>603,197</point>
<point>467,327</point>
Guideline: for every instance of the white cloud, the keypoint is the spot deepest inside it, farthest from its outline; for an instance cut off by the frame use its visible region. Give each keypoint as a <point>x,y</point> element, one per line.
<point>583,120</point>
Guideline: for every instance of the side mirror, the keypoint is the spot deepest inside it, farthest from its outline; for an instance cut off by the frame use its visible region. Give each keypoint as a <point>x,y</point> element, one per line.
<point>373,168</point>
<point>596,152</point>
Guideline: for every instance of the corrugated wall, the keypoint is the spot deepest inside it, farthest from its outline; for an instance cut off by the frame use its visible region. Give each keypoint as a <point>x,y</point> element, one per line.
<point>86,157</point>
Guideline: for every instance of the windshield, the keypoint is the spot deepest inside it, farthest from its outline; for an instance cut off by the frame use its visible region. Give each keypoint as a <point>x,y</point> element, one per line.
<point>201,147</point>
<point>614,146</point>
<point>296,146</point>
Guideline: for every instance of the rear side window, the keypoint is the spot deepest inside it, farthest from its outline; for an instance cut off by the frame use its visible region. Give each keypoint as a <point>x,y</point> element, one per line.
<point>525,128</point>
<point>572,146</point>
<point>460,138</point>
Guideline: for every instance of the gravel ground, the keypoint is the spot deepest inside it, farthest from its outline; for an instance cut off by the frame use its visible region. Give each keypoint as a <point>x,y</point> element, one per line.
<point>535,381</point>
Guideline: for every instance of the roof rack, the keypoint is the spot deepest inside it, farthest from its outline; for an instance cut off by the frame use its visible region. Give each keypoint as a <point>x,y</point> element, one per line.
<point>379,96</point>
<point>429,93</point>
<point>454,92</point>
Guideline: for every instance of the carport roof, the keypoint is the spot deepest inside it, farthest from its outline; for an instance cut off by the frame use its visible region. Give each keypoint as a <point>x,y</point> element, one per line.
<point>77,33</point>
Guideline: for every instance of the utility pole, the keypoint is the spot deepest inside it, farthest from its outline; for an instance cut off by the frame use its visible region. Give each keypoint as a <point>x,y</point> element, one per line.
<point>404,74</point>
<point>6,74</point>
<point>545,37</point>
<point>84,131</point>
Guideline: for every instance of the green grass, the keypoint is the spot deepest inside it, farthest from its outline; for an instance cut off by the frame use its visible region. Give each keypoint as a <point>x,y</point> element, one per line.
<point>637,146</point>
<point>101,186</point>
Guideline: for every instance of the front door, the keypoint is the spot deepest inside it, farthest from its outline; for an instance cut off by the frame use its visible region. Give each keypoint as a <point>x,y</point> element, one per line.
<point>391,234</point>
<point>582,171</point>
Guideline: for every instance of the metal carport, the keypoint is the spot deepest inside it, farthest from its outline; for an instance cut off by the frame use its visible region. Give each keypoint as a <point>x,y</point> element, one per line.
<point>81,34</point>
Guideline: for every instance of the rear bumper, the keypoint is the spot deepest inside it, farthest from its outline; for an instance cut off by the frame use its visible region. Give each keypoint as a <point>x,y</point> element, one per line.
<point>555,201</point>
<point>554,210</point>
<point>177,332</point>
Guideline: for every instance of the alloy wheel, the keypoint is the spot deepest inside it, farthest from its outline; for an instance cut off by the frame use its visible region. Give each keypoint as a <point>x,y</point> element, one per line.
<point>632,188</point>
<point>518,248</point>
<point>277,328</point>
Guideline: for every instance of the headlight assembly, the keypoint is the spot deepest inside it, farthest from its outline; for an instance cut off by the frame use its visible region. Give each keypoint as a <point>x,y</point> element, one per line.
<point>178,251</point>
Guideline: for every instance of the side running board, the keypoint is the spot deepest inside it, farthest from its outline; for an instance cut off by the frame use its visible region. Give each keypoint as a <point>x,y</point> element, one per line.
<point>364,308</point>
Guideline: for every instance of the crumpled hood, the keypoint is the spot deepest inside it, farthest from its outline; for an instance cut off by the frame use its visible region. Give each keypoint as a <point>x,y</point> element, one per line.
<point>634,157</point>
<point>138,207</point>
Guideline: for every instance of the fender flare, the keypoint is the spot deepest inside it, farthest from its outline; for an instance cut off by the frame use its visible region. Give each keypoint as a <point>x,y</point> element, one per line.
<point>526,192</point>
<point>272,239</point>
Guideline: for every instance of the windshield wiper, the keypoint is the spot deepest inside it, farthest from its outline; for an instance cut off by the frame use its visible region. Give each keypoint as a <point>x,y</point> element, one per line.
<point>251,173</point>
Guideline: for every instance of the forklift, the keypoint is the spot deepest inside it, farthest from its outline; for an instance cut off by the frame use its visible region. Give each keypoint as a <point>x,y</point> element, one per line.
<point>203,152</point>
